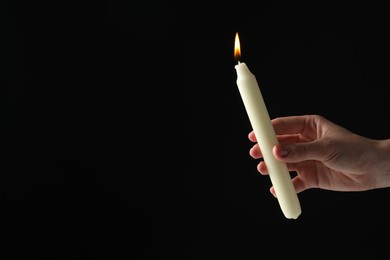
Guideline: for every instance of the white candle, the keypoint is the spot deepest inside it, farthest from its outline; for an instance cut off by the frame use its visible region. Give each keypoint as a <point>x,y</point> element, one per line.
<point>266,137</point>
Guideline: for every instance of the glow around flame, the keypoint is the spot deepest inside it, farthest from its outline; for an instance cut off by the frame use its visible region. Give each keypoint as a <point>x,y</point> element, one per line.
<point>237,48</point>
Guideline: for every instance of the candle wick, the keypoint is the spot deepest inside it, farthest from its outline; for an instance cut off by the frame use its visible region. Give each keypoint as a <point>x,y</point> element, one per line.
<point>239,62</point>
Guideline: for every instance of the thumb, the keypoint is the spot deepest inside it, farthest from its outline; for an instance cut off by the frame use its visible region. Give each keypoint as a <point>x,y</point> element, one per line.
<point>293,153</point>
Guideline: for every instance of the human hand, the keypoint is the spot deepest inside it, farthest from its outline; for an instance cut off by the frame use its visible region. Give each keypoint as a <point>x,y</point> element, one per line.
<point>327,156</point>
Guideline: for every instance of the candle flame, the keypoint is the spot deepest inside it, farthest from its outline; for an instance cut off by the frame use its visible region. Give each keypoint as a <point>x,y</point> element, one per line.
<point>237,49</point>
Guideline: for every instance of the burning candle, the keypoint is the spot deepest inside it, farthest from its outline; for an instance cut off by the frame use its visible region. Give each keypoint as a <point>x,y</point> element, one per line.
<point>266,136</point>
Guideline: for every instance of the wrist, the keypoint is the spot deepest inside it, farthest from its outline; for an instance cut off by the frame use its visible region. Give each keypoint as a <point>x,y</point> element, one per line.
<point>383,176</point>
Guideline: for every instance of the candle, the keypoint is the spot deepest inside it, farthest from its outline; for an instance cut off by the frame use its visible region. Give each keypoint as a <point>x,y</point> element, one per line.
<point>266,137</point>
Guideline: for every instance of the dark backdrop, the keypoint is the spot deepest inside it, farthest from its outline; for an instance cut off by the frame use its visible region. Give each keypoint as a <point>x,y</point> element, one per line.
<point>123,135</point>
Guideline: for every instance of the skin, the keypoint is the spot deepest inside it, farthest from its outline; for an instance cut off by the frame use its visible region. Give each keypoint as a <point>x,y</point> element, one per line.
<point>327,156</point>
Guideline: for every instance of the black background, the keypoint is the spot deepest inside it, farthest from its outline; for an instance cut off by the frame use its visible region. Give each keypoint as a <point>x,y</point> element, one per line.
<point>123,135</point>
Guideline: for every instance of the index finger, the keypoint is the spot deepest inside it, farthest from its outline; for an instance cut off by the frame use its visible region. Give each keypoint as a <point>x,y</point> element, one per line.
<point>304,125</point>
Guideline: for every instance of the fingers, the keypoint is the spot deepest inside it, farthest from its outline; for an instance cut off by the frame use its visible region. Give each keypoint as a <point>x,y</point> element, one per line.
<point>299,152</point>
<point>295,125</point>
<point>262,167</point>
<point>304,125</point>
<point>299,184</point>
<point>252,136</point>
<point>255,151</point>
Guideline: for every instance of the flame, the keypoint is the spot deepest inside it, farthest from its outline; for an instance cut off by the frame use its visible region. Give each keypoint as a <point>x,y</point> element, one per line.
<point>237,49</point>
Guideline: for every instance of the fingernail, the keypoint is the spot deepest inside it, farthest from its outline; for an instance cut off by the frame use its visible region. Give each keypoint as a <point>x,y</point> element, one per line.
<point>283,152</point>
